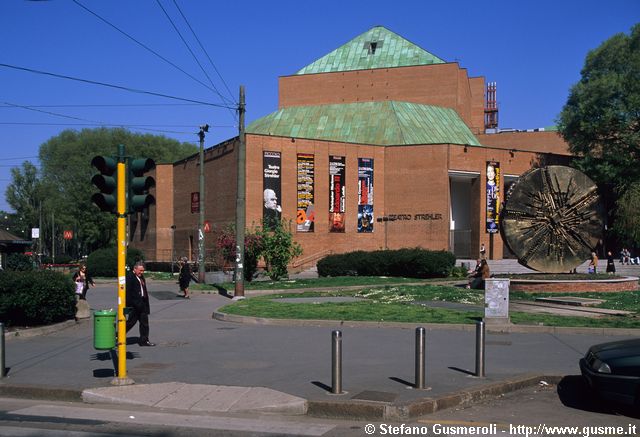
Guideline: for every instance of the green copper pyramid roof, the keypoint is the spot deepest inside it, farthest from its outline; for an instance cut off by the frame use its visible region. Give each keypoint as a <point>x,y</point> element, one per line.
<point>376,48</point>
<point>385,123</point>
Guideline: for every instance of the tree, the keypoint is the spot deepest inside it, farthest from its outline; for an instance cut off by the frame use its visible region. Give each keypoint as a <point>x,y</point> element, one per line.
<point>14,224</point>
<point>25,193</point>
<point>628,213</point>
<point>601,119</point>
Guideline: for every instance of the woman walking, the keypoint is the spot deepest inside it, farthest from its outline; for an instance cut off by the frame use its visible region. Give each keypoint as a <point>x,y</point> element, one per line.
<point>184,278</point>
<point>82,280</point>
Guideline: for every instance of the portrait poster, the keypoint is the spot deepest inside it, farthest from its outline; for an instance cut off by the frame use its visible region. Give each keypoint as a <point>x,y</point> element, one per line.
<point>305,215</point>
<point>493,196</point>
<point>336,193</point>
<point>272,210</point>
<point>365,195</point>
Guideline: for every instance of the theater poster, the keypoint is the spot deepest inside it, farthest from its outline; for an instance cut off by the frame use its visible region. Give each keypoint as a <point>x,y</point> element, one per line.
<point>365,195</point>
<point>493,196</point>
<point>305,215</point>
<point>336,193</point>
<point>272,210</point>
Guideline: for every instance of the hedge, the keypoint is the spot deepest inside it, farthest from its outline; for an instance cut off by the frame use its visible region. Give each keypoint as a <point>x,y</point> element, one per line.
<point>36,298</point>
<point>411,263</point>
<point>19,262</point>
<point>104,262</point>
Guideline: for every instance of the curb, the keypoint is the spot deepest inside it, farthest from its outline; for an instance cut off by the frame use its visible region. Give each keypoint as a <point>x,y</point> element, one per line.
<point>351,409</point>
<point>48,393</point>
<point>500,328</point>
<point>40,330</point>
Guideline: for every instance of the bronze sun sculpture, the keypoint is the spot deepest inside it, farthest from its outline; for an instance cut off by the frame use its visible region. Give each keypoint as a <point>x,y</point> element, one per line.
<point>552,219</point>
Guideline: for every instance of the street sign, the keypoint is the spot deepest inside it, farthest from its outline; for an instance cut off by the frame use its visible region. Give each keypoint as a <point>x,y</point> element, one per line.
<point>35,232</point>
<point>68,235</point>
<point>207,226</point>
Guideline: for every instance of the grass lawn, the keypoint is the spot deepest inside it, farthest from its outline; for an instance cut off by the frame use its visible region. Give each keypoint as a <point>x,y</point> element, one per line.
<point>393,303</point>
<point>341,281</point>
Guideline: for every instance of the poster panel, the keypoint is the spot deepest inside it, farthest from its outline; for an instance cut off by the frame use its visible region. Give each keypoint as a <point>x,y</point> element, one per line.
<point>365,195</point>
<point>336,193</point>
<point>305,216</point>
<point>493,196</point>
<point>272,211</point>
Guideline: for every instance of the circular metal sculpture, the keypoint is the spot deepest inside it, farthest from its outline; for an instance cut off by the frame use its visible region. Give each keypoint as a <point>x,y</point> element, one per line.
<point>552,219</point>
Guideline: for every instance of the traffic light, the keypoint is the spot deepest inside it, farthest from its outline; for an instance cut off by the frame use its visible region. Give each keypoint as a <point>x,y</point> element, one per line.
<point>106,182</point>
<point>139,184</point>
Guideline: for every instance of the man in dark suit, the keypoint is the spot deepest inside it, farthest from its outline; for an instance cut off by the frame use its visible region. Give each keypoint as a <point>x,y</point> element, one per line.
<point>138,301</point>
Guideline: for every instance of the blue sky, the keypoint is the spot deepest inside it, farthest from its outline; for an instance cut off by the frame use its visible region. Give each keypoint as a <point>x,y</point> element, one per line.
<point>533,50</point>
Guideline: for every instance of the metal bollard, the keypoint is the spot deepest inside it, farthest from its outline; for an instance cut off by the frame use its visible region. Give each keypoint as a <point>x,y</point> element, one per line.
<point>420,358</point>
<point>480,349</point>
<point>336,362</point>
<point>2,366</point>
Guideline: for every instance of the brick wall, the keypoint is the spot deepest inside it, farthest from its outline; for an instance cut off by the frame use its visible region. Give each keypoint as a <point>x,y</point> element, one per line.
<point>445,85</point>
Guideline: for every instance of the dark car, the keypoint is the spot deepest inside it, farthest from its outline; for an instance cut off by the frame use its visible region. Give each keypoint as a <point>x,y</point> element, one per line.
<point>613,370</point>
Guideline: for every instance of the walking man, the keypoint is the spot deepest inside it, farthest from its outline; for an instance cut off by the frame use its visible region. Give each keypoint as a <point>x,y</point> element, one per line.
<point>138,301</point>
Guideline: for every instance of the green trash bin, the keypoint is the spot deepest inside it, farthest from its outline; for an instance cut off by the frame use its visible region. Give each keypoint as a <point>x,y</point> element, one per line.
<point>104,329</point>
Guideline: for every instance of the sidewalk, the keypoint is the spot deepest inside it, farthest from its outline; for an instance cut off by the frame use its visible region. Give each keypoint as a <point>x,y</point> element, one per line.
<point>205,365</point>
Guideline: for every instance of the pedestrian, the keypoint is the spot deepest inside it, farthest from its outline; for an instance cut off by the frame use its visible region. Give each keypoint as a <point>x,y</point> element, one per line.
<point>138,301</point>
<point>483,251</point>
<point>611,267</point>
<point>593,264</point>
<point>82,280</point>
<point>478,276</point>
<point>184,277</point>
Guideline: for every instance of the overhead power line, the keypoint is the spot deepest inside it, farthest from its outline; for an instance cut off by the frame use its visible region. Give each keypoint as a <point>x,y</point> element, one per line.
<point>15,159</point>
<point>123,88</point>
<point>104,20</point>
<point>190,51</point>
<point>29,123</point>
<point>105,105</point>
<point>205,51</point>
<point>91,122</point>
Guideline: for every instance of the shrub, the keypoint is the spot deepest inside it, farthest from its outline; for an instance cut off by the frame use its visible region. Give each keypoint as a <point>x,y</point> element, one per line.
<point>161,266</point>
<point>104,262</point>
<point>411,263</point>
<point>19,262</point>
<point>253,246</point>
<point>278,249</point>
<point>63,259</point>
<point>36,298</point>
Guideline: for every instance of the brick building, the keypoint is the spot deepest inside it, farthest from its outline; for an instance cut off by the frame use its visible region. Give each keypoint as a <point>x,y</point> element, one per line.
<point>378,144</point>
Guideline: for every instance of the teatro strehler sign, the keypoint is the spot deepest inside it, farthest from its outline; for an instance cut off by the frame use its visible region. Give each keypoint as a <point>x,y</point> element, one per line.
<point>398,217</point>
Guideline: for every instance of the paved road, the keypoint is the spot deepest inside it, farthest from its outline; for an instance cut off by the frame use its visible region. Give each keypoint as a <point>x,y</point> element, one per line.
<point>193,348</point>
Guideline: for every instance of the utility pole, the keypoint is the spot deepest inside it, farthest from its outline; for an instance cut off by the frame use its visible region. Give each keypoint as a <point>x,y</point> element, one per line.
<point>204,128</point>
<point>240,202</point>
<point>40,232</point>
<point>53,238</point>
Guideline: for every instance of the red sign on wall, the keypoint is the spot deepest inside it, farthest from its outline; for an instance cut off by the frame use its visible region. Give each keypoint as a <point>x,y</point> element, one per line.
<point>68,235</point>
<point>195,202</point>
